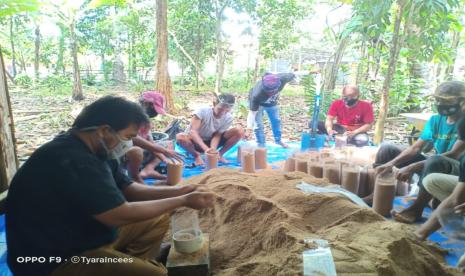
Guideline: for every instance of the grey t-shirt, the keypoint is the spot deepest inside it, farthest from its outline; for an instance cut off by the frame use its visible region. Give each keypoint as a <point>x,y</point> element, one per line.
<point>211,125</point>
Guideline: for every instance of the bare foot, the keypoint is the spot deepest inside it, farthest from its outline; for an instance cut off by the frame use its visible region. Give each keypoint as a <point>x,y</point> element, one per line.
<point>368,199</point>
<point>222,160</point>
<point>408,216</point>
<point>152,174</point>
<point>199,161</point>
<point>282,144</point>
<point>420,236</point>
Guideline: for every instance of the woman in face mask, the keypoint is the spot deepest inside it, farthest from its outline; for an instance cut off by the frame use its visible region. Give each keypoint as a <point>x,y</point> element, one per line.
<point>441,132</point>
<point>144,157</point>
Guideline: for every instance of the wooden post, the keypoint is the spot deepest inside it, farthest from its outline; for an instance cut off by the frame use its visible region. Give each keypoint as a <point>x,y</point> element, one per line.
<point>8,157</point>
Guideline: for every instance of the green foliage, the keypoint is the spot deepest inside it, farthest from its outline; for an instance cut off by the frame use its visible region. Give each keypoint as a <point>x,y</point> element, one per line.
<point>23,80</point>
<point>138,87</point>
<point>425,37</point>
<point>309,85</point>
<point>433,20</point>
<point>9,7</point>
<point>371,18</point>
<point>236,81</point>
<point>276,20</point>
<point>56,83</point>
<point>102,3</point>
<point>194,29</point>
<point>242,109</point>
<point>89,79</point>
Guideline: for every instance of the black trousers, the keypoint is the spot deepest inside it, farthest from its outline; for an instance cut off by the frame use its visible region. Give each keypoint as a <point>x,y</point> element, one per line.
<point>359,140</point>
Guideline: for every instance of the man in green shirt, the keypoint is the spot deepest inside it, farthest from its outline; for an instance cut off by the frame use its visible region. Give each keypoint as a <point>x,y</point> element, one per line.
<point>71,205</point>
<point>441,131</point>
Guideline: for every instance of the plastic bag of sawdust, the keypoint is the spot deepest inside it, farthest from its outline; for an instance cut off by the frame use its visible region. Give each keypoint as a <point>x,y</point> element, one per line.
<point>309,188</point>
<point>318,260</point>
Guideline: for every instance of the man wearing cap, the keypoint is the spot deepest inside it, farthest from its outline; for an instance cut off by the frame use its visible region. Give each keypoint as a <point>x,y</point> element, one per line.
<point>210,129</point>
<point>146,155</point>
<point>354,117</point>
<point>264,97</point>
<point>441,131</point>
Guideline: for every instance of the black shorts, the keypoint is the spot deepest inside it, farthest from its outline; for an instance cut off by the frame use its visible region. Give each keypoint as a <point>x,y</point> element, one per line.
<point>208,143</point>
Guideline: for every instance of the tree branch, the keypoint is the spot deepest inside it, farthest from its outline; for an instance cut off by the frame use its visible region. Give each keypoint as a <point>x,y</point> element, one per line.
<point>173,35</point>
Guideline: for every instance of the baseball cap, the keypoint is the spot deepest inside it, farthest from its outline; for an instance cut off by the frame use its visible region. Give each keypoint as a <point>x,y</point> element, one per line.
<point>157,100</point>
<point>271,82</point>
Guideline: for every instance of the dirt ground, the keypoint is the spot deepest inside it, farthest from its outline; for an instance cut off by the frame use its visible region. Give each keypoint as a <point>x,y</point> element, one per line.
<point>39,118</point>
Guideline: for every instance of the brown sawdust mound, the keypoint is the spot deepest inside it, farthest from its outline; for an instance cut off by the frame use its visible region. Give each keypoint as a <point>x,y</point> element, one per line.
<point>259,222</point>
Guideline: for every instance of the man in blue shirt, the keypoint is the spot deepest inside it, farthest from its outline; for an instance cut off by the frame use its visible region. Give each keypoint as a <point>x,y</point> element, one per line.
<point>441,131</point>
<point>451,190</point>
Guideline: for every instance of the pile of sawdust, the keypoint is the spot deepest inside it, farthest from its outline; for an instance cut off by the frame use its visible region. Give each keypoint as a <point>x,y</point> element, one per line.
<point>259,223</point>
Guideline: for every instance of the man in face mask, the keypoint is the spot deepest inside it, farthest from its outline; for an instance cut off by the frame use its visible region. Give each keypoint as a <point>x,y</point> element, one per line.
<point>70,198</point>
<point>450,189</point>
<point>146,154</point>
<point>441,131</point>
<point>354,117</point>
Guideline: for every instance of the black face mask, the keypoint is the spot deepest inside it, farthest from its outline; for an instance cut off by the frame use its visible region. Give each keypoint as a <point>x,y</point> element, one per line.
<point>151,112</point>
<point>448,110</point>
<point>350,102</point>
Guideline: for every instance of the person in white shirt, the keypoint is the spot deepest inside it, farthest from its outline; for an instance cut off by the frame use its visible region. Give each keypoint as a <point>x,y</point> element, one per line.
<point>210,129</point>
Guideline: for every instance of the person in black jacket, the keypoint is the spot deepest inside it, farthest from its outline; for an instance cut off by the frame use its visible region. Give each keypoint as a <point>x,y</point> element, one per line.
<point>264,96</point>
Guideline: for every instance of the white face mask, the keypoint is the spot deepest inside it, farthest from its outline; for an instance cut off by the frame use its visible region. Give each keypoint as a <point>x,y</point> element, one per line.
<point>121,149</point>
<point>117,152</point>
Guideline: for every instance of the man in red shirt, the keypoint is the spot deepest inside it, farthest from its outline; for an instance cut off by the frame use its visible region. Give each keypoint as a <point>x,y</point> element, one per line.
<point>354,117</point>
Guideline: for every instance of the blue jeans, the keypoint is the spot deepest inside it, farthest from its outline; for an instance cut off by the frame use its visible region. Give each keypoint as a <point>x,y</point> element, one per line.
<point>275,120</point>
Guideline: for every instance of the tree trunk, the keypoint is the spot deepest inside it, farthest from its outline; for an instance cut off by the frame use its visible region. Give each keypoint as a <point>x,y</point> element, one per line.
<point>77,86</point>
<point>132,56</point>
<point>103,66</point>
<point>163,80</point>
<point>393,56</point>
<point>119,76</point>
<point>420,71</point>
<point>331,72</point>
<point>12,42</point>
<point>37,52</point>
<point>130,53</point>
<point>449,74</point>
<point>359,77</point>
<point>22,63</point>
<point>256,74</point>
<point>8,156</point>
<point>219,48</point>
<point>198,46</point>
<point>61,49</point>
